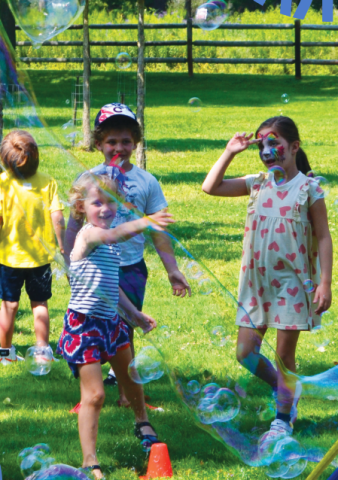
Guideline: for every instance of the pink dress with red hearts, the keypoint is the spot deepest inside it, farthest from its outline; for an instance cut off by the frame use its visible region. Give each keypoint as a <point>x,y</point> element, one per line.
<point>279,252</point>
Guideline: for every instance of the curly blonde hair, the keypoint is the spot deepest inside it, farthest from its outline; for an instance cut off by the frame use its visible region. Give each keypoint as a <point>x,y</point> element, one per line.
<point>81,186</point>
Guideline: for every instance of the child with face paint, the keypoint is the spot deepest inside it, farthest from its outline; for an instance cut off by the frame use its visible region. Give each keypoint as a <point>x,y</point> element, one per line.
<point>286,242</point>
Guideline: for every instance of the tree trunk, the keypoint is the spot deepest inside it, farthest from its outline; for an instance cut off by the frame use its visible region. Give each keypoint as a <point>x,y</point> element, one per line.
<point>87,142</point>
<point>140,151</point>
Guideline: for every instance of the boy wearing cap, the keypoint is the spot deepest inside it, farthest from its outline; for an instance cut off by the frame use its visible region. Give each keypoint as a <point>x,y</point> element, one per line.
<point>117,132</point>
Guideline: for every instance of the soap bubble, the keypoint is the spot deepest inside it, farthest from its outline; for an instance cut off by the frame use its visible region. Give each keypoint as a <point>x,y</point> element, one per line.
<point>123,60</point>
<point>205,286</point>
<point>193,270</point>
<point>285,98</point>
<point>33,459</point>
<point>308,286</point>
<point>268,413</point>
<point>193,387</point>
<point>220,406</point>
<point>319,338</point>
<point>62,472</point>
<point>218,336</point>
<point>195,104</point>
<point>163,333</point>
<point>146,366</point>
<point>279,174</point>
<point>211,15</point>
<point>322,187</point>
<point>67,101</point>
<point>311,174</point>
<point>41,21</point>
<point>39,359</point>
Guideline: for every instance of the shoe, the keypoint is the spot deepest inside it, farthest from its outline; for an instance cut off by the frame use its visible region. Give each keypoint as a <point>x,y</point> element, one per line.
<point>9,356</point>
<point>146,440</point>
<point>110,380</point>
<point>91,470</point>
<point>294,412</point>
<point>278,429</point>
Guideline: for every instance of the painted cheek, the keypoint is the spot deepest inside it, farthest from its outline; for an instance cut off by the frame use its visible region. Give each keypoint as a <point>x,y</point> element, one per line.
<point>280,150</point>
<point>275,153</point>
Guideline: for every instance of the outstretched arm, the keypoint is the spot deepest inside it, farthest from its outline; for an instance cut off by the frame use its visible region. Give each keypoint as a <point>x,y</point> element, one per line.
<point>73,228</point>
<point>214,184</point>
<point>165,251</point>
<point>320,224</point>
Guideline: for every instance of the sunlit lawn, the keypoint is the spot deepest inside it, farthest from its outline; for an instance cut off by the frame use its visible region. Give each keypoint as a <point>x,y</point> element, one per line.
<point>182,146</point>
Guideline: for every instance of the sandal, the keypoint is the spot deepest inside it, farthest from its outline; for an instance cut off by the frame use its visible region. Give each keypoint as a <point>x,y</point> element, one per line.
<point>93,467</point>
<point>146,440</point>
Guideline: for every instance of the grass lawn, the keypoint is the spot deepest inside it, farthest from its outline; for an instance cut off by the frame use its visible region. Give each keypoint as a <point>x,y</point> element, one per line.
<point>182,146</point>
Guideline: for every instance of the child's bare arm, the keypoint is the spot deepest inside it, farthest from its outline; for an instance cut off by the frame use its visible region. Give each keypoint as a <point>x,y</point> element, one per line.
<point>214,184</point>
<point>59,228</point>
<point>320,224</point>
<point>122,233</point>
<point>134,316</point>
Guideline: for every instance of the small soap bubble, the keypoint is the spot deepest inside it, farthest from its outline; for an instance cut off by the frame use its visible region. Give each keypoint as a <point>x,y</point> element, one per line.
<point>32,460</point>
<point>195,104</point>
<point>285,98</point>
<point>311,174</point>
<point>147,366</point>
<point>194,270</point>
<point>218,336</point>
<point>67,101</point>
<point>164,333</point>
<point>7,401</point>
<point>211,15</point>
<point>277,469</point>
<point>322,187</point>
<point>193,387</point>
<point>123,60</point>
<point>39,359</point>
<point>205,286</point>
<point>279,174</point>
<point>308,286</point>
<point>319,338</point>
<point>220,406</point>
<point>267,414</point>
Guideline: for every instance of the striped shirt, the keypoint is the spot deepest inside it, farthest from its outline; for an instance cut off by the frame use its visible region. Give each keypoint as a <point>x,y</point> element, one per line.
<point>94,281</point>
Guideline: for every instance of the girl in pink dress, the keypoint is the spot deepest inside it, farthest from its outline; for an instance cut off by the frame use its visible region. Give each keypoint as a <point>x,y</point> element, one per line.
<point>286,241</point>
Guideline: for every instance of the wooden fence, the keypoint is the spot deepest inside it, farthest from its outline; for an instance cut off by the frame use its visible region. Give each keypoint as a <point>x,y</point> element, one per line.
<point>190,43</point>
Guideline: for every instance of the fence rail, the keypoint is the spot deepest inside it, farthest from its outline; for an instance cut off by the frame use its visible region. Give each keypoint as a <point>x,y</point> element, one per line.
<point>190,43</point>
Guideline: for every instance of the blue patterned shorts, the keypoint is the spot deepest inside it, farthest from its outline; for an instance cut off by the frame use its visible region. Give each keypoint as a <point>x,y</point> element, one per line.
<point>89,339</point>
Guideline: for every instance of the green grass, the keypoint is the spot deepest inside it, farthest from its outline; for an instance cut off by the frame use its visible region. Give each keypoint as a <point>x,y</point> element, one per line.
<point>182,146</point>
<point>271,16</point>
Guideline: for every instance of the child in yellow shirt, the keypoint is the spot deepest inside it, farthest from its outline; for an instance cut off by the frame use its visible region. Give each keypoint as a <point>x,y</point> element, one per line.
<point>30,212</point>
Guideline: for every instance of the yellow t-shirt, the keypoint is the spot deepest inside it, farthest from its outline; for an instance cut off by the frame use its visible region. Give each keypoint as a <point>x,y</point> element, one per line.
<point>27,237</point>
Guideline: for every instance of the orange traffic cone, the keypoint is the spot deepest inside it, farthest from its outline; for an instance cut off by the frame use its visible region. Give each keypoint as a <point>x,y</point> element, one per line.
<point>159,465</point>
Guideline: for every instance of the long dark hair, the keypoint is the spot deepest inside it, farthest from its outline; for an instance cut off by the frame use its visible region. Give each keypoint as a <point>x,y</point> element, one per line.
<point>287,129</point>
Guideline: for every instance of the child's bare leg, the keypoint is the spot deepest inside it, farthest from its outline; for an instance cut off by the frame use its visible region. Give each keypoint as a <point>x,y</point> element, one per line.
<point>133,391</point>
<point>92,398</point>
<point>7,317</point>
<point>41,321</point>
<point>286,351</point>
<point>249,342</point>
<point>123,400</point>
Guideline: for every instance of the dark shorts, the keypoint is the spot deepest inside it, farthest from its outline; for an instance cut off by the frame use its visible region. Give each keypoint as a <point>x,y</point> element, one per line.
<point>37,281</point>
<point>89,339</point>
<point>132,280</point>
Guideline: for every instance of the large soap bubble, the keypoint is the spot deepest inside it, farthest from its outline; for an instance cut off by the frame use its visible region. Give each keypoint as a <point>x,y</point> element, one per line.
<point>42,20</point>
<point>39,359</point>
<point>211,15</point>
<point>225,398</point>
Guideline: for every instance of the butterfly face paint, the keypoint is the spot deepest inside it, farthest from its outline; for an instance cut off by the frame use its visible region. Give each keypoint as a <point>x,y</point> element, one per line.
<point>270,149</point>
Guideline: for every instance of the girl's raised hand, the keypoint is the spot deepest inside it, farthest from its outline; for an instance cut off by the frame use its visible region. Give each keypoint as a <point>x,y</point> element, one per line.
<point>323,297</point>
<point>240,142</point>
<point>160,219</point>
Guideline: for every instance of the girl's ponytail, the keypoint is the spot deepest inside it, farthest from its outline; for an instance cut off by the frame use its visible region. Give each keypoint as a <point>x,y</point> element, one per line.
<point>302,161</point>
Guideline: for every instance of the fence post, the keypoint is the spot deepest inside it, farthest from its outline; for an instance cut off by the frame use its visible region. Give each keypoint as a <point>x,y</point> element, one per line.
<point>189,38</point>
<point>87,142</point>
<point>298,72</point>
<point>140,151</point>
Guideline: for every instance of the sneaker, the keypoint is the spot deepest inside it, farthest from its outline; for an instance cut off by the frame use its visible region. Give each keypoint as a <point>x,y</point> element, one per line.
<point>110,380</point>
<point>298,392</point>
<point>8,356</point>
<point>278,429</point>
